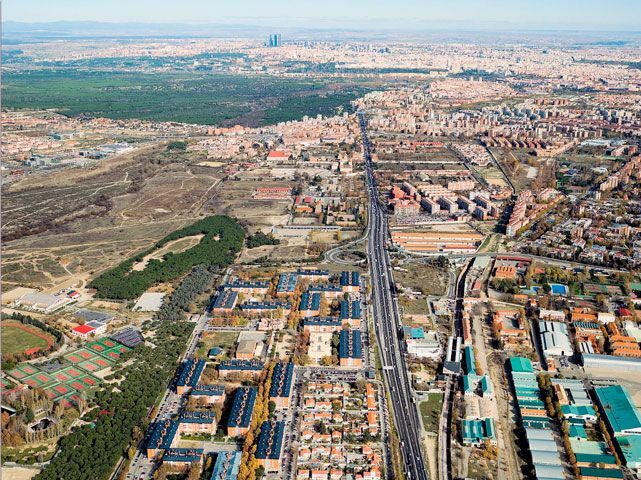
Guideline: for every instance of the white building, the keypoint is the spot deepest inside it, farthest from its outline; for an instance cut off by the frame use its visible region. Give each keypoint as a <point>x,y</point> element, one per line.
<point>554,338</point>
<point>427,347</point>
<point>42,302</point>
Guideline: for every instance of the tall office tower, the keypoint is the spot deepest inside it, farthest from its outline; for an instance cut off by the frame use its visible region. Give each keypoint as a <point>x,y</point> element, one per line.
<point>275,40</point>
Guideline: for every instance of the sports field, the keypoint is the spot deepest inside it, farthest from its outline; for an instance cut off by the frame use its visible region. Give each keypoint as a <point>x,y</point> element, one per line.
<point>19,338</point>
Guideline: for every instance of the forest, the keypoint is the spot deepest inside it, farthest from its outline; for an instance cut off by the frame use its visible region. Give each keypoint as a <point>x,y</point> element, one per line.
<point>223,239</point>
<point>210,98</point>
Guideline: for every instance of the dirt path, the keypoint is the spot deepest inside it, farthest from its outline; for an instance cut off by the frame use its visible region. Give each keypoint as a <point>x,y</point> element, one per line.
<point>158,254</point>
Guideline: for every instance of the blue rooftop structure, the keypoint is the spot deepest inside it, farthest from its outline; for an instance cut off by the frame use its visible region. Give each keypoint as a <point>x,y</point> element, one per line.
<point>350,345</point>
<point>350,309</point>
<point>310,301</point>
<point>224,299</point>
<point>473,383</point>
<point>325,289</point>
<point>270,440</point>
<point>214,352</point>
<point>190,373</point>
<point>287,282</point>
<point>243,407</point>
<point>323,321</point>
<point>577,431</point>
<point>186,455</point>
<point>163,434</point>
<point>241,365</point>
<point>350,279</point>
<point>240,285</point>
<point>313,274</point>
<point>226,466</point>
<point>281,384</point>
<point>208,390</point>
<point>265,306</point>
<point>206,417</point>
<point>630,446</point>
<point>521,365</point>
<point>585,412</point>
<point>596,472</point>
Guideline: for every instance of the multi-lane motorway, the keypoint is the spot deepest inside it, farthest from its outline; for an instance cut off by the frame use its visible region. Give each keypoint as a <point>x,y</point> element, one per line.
<point>387,325</point>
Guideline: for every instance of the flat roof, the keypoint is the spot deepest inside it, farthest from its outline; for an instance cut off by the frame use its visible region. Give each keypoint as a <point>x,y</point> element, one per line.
<point>83,328</point>
<point>601,472</point>
<point>521,365</point>
<point>619,409</point>
<point>235,364</point>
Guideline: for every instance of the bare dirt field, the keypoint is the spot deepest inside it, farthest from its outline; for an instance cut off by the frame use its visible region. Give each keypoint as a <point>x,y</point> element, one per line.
<point>235,198</point>
<point>141,200</point>
<point>19,473</point>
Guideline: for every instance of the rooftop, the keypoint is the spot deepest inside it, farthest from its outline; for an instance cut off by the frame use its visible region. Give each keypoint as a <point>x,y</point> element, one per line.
<point>243,407</point>
<point>281,384</point>
<point>270,440</point>
<point>621,413</point>
<point>350,345</point>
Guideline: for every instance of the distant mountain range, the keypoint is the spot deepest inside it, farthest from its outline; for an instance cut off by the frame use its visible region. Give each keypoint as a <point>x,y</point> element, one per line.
<point>321,30</point>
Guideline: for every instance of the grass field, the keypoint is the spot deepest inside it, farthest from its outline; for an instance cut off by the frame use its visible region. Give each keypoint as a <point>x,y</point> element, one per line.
<point>431,411</point>
<point>16,339</point>
<point>221,339</point>
<point>205,98</point>
<point>426,279</point>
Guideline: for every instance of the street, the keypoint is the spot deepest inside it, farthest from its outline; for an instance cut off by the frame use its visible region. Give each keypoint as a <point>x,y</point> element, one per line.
<point>387,327</point>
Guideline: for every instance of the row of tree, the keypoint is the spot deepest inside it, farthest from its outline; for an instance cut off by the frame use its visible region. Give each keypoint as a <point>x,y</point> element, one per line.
<point>181,300</point>
<point>250,469</point>
<point>259,239</point>
<point>223,239</point>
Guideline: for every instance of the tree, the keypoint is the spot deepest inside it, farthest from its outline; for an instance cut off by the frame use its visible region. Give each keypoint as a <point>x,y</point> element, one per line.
<point>194,471</point>
<point>29,415</point>
<point>324,307</point>
<point>177,145</point>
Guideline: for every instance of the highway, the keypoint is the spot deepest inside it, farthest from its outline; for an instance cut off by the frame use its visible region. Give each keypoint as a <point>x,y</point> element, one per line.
<point>387,326</point>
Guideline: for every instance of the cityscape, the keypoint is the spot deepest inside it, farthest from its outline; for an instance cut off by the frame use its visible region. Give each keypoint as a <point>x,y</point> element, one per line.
<point>349,241</point>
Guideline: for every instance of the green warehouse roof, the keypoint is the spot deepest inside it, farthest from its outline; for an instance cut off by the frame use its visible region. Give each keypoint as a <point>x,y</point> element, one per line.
<point>521,364</point>
<point>470,363</point>
<point>621,413</point>
<point>577,431</point>
<point>578,410</point>
<point>631,447</point>
<point>474,431</point>
<point>601,472</point>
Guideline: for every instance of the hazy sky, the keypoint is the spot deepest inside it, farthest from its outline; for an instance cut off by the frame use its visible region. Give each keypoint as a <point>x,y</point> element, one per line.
<point>570,14</point>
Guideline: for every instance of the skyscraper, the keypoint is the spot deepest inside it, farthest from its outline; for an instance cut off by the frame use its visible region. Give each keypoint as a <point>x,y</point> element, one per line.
<point>275,40</point>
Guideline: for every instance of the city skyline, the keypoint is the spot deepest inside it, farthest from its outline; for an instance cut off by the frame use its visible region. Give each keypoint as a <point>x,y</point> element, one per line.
<point>405,15</point>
